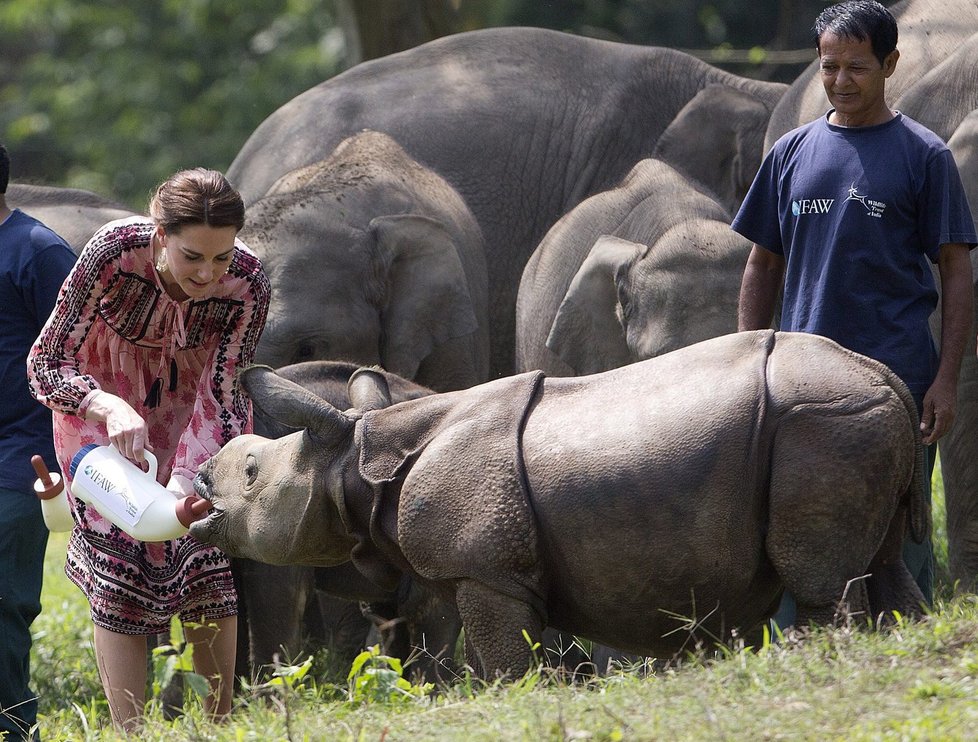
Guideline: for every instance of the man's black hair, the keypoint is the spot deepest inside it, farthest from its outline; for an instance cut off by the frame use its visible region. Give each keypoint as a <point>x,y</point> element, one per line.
<point>859,20</point>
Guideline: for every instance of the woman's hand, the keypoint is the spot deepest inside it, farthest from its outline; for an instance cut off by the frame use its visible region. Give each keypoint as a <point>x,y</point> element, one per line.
<point>126,429</point>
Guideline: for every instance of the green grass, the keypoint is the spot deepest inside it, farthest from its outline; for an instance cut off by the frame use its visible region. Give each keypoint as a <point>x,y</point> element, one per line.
<point>912,682</point>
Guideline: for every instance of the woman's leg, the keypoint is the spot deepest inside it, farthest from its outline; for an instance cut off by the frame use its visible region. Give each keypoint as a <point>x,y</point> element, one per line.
<point>215,645</point>
<point>121,662</point>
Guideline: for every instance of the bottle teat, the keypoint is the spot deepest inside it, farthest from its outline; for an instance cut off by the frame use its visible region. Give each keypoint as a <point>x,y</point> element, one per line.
<point>48,485</point>
<point>50,489</point>
<point>191,508</point>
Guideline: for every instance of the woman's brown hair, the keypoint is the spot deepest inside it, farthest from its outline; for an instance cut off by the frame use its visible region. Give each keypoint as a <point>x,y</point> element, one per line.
<point>197,196</point>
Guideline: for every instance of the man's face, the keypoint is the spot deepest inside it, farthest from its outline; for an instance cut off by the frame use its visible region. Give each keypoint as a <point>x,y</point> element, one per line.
<point>854,80</point>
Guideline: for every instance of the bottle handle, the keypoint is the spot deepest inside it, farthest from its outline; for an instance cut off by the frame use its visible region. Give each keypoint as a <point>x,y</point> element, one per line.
<point>153,463</point>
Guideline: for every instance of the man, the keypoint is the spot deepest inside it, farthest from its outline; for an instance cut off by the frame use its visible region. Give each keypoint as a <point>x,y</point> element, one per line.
<point>34,262</point>
<point>847,212</point>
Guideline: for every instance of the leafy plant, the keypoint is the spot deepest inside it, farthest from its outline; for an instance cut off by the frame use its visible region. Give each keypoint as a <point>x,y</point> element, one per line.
<point>377,678</point>
<point>173,658</point>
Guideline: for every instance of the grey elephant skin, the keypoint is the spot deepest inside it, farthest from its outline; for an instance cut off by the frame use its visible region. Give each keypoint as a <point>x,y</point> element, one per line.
<point>524,123</point>
<point>727,471</point>
<point>642,269</point>
<point>376,260</point>
<point>73,213</point>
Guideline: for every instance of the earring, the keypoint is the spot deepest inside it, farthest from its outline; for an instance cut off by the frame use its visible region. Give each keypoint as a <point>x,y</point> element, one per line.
<point>161,261</point>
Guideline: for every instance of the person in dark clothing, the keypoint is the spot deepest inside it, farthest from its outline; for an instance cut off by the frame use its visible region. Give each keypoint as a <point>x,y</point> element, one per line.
<point>34,262</point>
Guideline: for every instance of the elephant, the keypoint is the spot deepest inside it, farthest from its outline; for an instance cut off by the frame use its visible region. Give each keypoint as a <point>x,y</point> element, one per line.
<point>727,471</point>
<point>525,123</point>
<point>930,32</point>
<point>735,125</point>
<point>632,273</point>
<point>373,259</point>
<point>72,213</point>
<point>952,84</point>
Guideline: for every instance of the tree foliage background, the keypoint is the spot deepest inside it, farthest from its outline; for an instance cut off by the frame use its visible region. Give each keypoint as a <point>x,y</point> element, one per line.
<point>114,95</point>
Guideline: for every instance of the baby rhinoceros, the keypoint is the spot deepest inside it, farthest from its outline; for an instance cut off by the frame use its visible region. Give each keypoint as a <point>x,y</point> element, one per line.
<point>632,507</point>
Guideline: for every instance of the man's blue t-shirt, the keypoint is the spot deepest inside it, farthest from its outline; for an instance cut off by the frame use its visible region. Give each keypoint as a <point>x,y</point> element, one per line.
<point>859,214</point>
<point>34,262</point>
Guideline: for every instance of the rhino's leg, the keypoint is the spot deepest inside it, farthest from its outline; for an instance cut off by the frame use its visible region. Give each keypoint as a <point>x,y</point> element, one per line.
<point>835,481</point>
<point>890,585</point>
<point>494,624</point>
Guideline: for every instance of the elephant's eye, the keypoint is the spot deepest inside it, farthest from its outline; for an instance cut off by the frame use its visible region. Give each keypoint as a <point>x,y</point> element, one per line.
<point>304,351</point>
<point>624,306</point>
<point>251,470</point>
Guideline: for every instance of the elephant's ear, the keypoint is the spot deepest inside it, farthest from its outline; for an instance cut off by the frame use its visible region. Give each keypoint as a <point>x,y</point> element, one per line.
<point>716,141</point>
<point>586,333</point>
<point>428,302</point>
<point>293,405</point>
<point>368,390</point>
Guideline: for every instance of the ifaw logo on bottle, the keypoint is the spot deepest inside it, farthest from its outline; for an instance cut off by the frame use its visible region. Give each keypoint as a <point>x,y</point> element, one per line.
<point>804,206</point>
<point>108,486</point>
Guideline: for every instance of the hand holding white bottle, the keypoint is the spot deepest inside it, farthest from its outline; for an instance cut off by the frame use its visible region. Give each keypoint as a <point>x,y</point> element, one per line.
<point>125,427</point>
<point>130,498</point>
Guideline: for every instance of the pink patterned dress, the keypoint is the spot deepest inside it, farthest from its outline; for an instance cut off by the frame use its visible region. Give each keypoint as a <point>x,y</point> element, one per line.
<point>115,328</point>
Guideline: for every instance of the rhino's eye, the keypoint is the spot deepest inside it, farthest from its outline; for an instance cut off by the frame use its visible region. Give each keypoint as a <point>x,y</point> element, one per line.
<point>251,469</point>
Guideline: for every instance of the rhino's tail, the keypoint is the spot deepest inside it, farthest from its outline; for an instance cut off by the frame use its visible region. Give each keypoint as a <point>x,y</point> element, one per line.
<point>919,502</point>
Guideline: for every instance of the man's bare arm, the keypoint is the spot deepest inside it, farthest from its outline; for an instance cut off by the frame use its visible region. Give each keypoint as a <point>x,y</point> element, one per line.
<point>759,289</point>
<point>954,264</point>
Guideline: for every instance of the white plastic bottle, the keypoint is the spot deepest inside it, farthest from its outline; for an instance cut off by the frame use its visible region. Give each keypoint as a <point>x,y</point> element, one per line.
<point>129,497</point>
<point>50,488</point>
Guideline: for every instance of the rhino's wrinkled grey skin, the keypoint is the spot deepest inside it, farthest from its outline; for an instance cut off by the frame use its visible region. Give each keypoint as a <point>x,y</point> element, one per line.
<point>280,603</point>
<point>413,623</point>
<point>726,471</point>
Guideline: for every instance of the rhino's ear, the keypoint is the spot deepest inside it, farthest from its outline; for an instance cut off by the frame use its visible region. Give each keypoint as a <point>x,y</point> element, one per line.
<point>428,301</point>
<point>293,405</point>
<point>368,390</point>
<point>586,333</point>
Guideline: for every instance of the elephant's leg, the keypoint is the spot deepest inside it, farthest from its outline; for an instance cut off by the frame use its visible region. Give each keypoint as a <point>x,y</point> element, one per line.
<point>390,627</point>
<point>275,600</point>
<point>494,624</point>
<point>338,625</point>
<point>433,626</point>
<point>833,492</point>
<point>959,468</point>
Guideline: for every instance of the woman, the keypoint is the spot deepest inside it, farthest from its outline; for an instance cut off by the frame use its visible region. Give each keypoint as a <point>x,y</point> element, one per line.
<point>142,352</point>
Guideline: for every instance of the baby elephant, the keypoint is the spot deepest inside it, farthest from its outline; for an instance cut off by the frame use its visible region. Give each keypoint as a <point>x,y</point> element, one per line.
<point>682,492</point>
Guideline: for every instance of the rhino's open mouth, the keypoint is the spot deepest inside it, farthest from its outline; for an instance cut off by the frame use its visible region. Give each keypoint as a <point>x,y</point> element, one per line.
<point>210,521</point>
